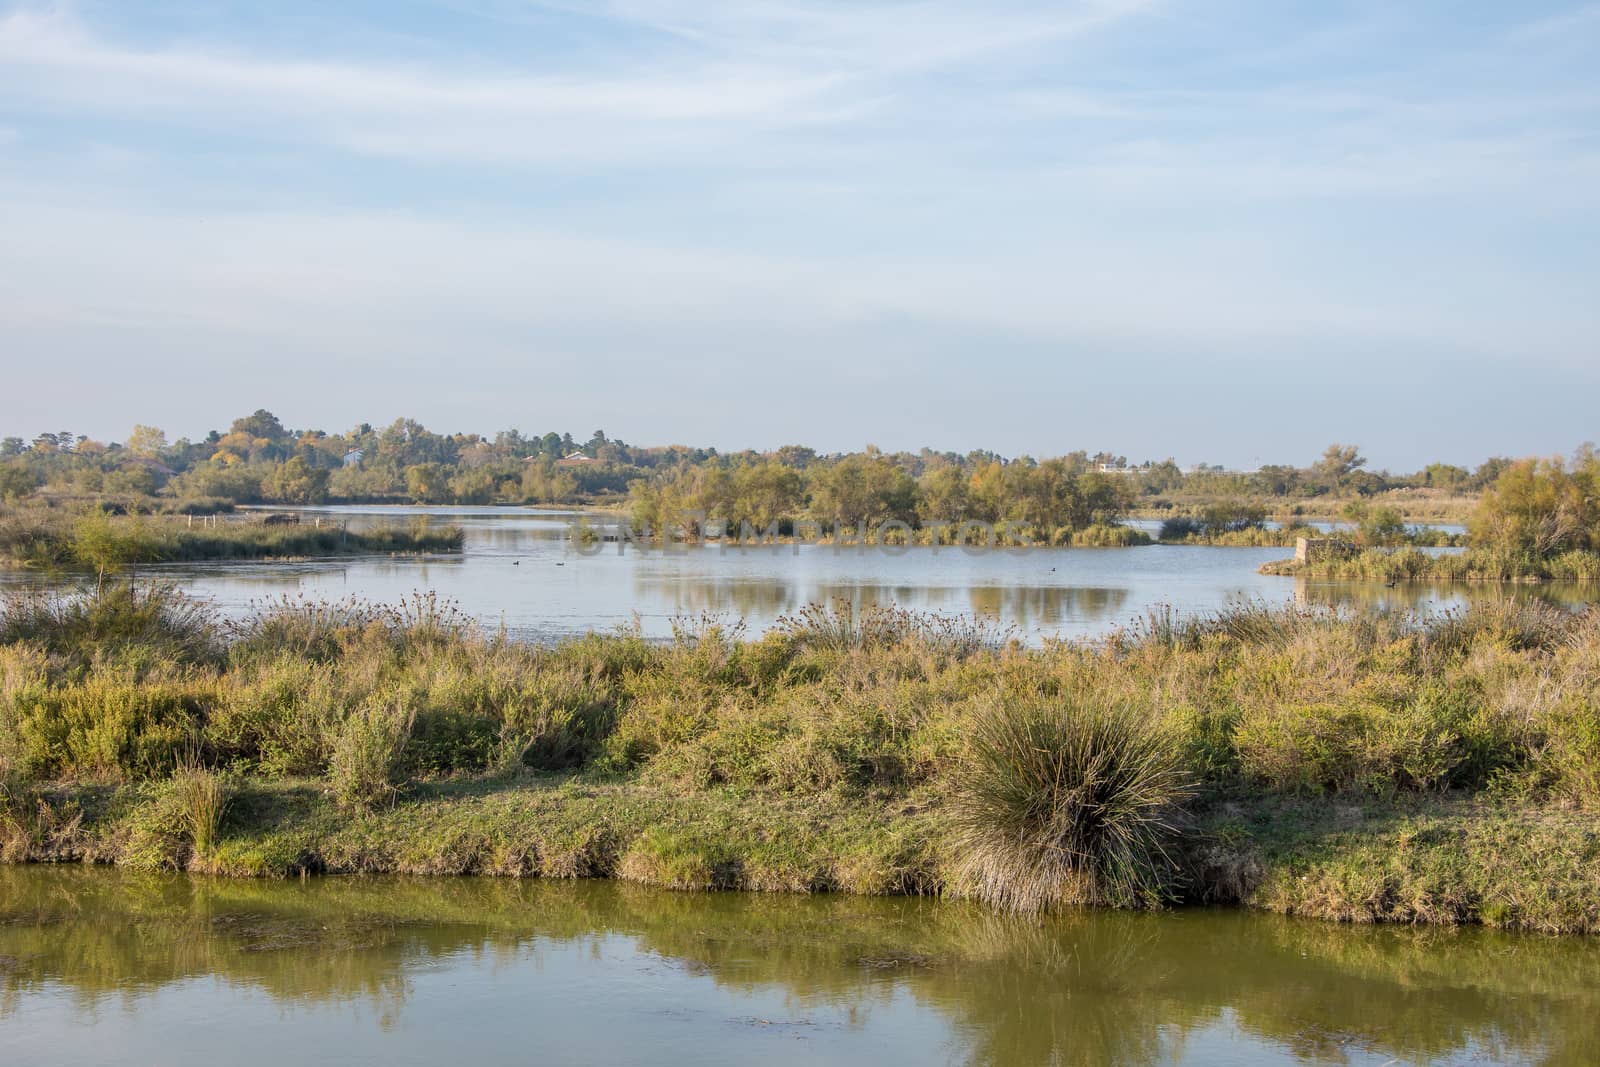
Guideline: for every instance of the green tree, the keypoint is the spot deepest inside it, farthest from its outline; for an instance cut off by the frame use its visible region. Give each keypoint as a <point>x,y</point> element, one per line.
<point>475,486</point>
<point>1338,462</point>
<point>767,493</point>
<point>1537,508</point>
<point>17,479</point>
<point>108,546</point>
<point>946,495</point>
<point>296,482</point>
<point>866,487</point>
<point>1445,476</point>
<point>147,441</point>
<point>262,423</point>
<point>428,483</point>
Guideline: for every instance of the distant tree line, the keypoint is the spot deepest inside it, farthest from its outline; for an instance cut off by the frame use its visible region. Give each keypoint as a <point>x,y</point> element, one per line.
<point>259,460</point>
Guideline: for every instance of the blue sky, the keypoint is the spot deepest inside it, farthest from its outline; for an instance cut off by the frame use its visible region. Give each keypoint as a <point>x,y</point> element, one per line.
<point>1227,232</point>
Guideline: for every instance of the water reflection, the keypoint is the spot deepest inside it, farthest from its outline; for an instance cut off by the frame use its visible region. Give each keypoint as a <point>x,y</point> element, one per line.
<point>373,966</point>
<point>520,570</point>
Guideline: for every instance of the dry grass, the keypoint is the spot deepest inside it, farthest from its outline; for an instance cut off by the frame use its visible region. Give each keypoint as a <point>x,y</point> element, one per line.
<point>1067,803</point>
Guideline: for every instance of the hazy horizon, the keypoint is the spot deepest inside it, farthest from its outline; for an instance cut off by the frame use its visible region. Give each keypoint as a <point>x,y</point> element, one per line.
<point>1229,233</point>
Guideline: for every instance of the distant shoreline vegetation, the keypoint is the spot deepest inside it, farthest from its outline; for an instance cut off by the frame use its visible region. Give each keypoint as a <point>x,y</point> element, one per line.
<point>258,460</point>
<point>110,544</point>
<point>1539,521</point>
<point>1412,565</point>
<point>890,535</point>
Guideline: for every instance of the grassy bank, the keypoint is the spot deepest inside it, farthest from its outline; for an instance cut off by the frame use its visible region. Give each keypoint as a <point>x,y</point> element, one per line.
<point>101,542</point>
<point>1368,769</point>
<point>1470,566</point>
<point>1285,537</point>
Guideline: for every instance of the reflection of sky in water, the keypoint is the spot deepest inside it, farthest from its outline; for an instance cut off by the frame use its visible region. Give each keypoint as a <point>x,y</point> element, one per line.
<point>519,569</point>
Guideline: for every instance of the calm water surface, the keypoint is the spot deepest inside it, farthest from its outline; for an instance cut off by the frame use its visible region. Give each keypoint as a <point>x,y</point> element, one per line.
<point>100,966</point>
<point>521,569</point>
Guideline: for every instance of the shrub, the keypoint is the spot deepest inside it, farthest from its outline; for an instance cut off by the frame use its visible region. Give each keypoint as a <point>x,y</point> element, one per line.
<point>279,716</point>
<point>559,717</point>
<point>1572,755</point>
<point>110,725</point>
<point>1067,803</point>
<point>1357,746</point>
<point>367,749</point>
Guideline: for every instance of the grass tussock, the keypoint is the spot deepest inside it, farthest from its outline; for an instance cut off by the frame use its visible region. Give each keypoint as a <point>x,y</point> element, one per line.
<point>1067,803</point>
<point>869,751</point>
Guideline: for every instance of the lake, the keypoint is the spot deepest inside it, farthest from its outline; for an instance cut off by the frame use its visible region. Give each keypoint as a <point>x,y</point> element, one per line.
<point>521,569</point>
<point>172,969</point>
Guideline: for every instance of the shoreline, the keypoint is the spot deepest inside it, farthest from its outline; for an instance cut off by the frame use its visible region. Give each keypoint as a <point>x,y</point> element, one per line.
<point>1438,860</point>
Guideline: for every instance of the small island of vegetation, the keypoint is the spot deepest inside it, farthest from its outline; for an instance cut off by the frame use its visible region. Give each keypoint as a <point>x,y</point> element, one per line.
<point>105,544</point>
<point>1539,520</point>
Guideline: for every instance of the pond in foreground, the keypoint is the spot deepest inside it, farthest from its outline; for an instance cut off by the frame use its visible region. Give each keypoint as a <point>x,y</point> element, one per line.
<point>101,966</point>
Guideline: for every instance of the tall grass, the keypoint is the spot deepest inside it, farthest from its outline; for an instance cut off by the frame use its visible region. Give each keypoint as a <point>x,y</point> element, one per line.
<point>202,796</point>
<point>158,620</point>
<point>838,626</point>
<point>1067,802</point>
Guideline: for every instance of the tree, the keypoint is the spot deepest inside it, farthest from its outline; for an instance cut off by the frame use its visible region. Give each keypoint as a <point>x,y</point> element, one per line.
<point>945,495</point>
<point>147,441</point>
<point>1338,463</point>
<point>866,487</point>
<point>218,478</point>
<point>766,493</point>
<point>17,480</point>
<point>475,486</point>
<point>1376,526</point>
<point>107,547</point>
<point>263,424</point>
<point>296,482</point>
<point>1445,476</point>
<point>1537,509</point>
<point>428,483</point>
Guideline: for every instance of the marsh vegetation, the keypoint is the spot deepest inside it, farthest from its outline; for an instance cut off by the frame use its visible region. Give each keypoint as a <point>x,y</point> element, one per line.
<point>1371,767</point>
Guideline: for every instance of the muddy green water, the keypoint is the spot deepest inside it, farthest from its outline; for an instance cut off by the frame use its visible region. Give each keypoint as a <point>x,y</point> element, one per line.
<point>101,966</point>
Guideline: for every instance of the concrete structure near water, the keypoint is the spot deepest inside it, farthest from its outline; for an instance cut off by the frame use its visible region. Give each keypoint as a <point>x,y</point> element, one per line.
<point>1311,549</point>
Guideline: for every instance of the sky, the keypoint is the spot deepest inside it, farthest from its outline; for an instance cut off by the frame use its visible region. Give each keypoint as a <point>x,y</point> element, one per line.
<point>1227,232</point>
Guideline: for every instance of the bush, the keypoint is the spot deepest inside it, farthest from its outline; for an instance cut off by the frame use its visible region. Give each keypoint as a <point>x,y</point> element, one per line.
<point>1571,758</point>
<point>367,750</point>
<point>1358,746</point>
<point>109,726</point>
<point>1067,803</point>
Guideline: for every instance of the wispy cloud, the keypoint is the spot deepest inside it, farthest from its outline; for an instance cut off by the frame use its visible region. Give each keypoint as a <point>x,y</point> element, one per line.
<point>757,67</point>
<point>853,187</point>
